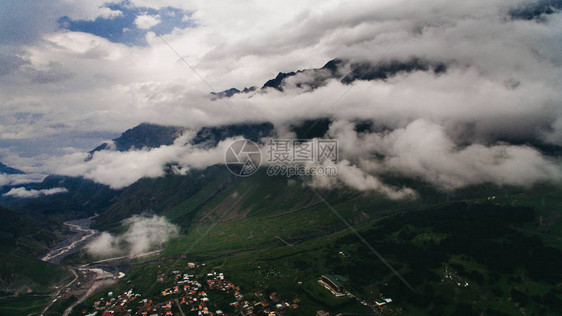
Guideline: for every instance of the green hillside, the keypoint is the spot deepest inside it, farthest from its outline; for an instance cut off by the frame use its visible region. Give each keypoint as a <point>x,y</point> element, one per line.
<point>202,196</point>
<point>21,273</point>
<point>157,195</point>
<point>468,257</point>
<point>274,234</point>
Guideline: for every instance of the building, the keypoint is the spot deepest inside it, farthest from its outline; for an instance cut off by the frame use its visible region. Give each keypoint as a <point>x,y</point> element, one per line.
<point>384,302</point>
<point>335,281</point>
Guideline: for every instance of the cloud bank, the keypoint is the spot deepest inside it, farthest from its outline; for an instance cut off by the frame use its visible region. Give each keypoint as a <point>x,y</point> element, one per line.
<point>25,193</point>
<point>120,169</point>
<point>143,234</point>
<point>146,21</point>
<point>501,87</point>
<point>19,179</point>
<point>423,150</point>
<point>502,71</point>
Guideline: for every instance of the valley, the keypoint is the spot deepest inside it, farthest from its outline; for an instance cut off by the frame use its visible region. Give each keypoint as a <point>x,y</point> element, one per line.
<point>280,158</point>
<point>267,244</point>
<point>287,252</point>
<point>82,234</point>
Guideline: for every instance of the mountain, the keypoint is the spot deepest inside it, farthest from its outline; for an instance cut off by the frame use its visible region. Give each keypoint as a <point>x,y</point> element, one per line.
<point>147,135</point>
<point>156,195</point>
<point>230,92</point>
<point>9,170</point>
<point>368,71</point>
<point>277,234</point>
<point>83,198</point>
<point>202,195</point>
<point>144,135</point>
<point>22,239</point>
<point>214,134</point>
<point>536,10</point>
<point>16,227</point>
<point>311,128</point>
<point>310,79</point>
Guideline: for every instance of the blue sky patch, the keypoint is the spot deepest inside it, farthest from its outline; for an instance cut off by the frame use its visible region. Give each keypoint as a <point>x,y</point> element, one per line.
<point>122,29</point>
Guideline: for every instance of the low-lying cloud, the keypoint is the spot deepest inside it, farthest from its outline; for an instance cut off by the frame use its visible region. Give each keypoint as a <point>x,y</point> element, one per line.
<point>502,83</point>
<point>421,150</point>
<point>121,169</point>
<point>19,179</point>
<point>353,177</point>
<point>143,234</point>
<point>25,193</point>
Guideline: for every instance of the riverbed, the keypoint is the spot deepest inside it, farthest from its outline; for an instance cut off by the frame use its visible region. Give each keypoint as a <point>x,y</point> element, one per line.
<point>82,233</point>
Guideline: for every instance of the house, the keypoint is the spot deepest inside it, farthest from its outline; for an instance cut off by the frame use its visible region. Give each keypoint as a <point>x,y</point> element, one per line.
<point>335,281</point>
<point>384,302</point>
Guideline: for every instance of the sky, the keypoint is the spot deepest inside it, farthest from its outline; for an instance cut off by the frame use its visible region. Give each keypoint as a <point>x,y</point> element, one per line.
<point>76,73</point>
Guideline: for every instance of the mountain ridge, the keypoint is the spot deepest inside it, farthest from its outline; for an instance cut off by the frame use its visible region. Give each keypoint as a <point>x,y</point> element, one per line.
<point>346,71</point>
<point>9,170</point>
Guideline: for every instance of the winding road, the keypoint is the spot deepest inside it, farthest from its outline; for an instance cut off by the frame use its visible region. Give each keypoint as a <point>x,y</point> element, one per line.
<point>59,291</point>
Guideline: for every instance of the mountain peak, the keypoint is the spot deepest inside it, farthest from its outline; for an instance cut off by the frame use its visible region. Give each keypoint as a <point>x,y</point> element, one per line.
<point>8,170</point>
<point>144,135</point>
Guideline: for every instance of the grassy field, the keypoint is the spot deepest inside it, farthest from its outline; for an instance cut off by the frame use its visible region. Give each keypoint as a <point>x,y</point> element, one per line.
<point>22,305</point>
<point>454,239</point>
<point>487,251</point>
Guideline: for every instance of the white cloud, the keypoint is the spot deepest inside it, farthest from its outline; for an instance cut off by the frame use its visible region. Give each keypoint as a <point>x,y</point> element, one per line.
<point>119,86</point>
<point>423,150</point>
<point>466,110</point>
<point>351,176</point>
<point>25,193</point>
<point>142,234</point>
<point>120,169</point>
<point>107,13</point>
<point>145,21</point>
<point>19,179</point>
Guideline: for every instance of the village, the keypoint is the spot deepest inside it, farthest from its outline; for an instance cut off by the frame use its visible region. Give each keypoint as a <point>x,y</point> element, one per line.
<point>192,294</point>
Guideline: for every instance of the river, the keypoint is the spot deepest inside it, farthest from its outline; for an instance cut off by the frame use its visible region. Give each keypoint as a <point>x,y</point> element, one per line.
<point>82,234</point>
<point>86,280</point>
